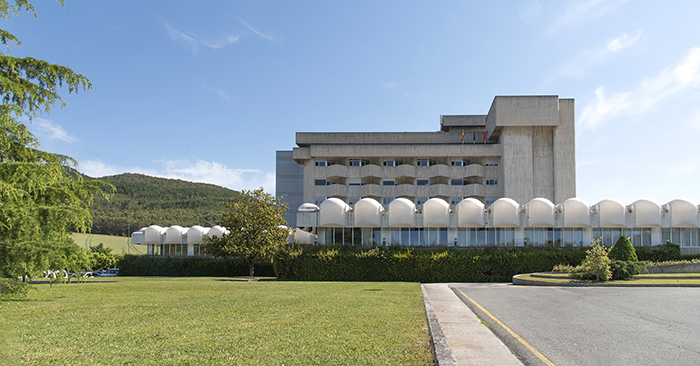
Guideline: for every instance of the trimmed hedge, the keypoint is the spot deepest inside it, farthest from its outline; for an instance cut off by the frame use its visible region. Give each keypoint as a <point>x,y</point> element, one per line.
<point>146,265</point>
<point>661,253</point>
<point>346,263</point>
<point>623,250</point>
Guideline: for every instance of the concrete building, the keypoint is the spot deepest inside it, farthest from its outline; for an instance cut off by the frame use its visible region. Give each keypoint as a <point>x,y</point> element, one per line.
<point>523,148</point>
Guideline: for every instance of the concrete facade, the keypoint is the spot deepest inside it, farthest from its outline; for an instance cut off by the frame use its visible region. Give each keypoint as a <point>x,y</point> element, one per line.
<point>523,148</point>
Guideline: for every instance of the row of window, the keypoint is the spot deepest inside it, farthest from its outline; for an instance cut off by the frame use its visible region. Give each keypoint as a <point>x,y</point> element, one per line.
<point>419,182</point>
<point>395,162</point>
<point>466,237</point>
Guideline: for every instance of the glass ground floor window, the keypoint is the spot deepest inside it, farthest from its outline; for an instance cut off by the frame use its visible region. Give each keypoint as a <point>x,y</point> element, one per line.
<point>683,236</point>
<point>351,236</point>
<point>609,236</point>
<point>173,249</point>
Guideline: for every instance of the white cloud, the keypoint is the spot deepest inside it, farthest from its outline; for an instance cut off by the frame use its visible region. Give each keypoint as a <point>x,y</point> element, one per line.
<point>599,54</point>
<point>670,81</point>
<point>623,41</point>
<point>49,129</point>
<point>530,11</point>
<point>198,171</point>
<point>270,37</point>
<point>220,92</point>
<point>194,41</point>
<point>580,12</point>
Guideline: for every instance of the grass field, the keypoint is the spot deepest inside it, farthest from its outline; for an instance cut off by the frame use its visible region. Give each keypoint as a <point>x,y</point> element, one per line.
<point>204,321</point>
<point>119,244</point>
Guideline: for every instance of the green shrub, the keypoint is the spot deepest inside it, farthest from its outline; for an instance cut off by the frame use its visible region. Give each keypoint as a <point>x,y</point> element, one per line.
<point>347,263</point>
<point>662,253</point>
<point>623,250</point>
<point>10,288</point>
<point>624,270</point>
<point>146,265</point>
<point>596,266</point>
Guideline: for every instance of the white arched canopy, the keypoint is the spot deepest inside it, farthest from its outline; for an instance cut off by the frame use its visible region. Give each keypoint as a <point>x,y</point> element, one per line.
<point>540,213</point>
<point>402,213</point>
<point>368,213</point>
<point>683,213</point>
<point>195,234</point>
<point>173,235</point>
<point>216,231</point>
<point>333,211</point>
<point>152,234</point>
<point>504,213</point>
<point>611,213</point>
<point>576,213</point>
<point>470,213</point>
<point>308,207</point>
<point>436,213</point>
<point>646,213</point>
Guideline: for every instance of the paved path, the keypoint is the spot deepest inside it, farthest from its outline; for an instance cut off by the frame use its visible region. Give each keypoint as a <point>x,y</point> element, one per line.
<point>459,337</point>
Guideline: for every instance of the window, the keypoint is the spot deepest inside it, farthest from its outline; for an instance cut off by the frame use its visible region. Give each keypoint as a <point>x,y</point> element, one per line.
<point>492,182</point>
<point>457,182</point>
<point>390,163</point>
<point>387,200</point>
<point>422,182</point>
<point>489,200</point>
<point>424,162</point>
<point>491,162</point>
<point>357,162</point>
<point>319,200</point>
<point>457,162</point>
<point>389,182</point>
<point>421,200</point>
<point>354,181</point>
<point>321,163</point>
<point>455,200</point>
<point>320,182</point>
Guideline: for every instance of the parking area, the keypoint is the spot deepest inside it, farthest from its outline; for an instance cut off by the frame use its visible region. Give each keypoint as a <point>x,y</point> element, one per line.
<point>592,325</point>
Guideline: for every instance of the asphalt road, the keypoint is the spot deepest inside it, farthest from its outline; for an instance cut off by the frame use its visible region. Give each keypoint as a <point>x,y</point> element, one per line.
<point>593,325</point>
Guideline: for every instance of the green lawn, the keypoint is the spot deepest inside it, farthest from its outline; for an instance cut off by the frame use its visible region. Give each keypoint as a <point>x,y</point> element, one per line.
<point>193,321</point>
<point>119,244</point>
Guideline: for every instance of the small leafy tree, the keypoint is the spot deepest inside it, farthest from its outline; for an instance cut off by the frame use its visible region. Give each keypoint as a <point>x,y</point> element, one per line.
<point>596,266</point>
<point>253,221</point>
<point>103,258</point>
<point>623,250</point>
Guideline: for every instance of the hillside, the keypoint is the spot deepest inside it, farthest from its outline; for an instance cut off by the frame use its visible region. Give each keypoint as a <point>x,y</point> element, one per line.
<point>142,200</point>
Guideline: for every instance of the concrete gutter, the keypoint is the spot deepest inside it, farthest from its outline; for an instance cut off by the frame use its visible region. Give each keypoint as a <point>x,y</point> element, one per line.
<point>457,334</point>
<point>532,282</point>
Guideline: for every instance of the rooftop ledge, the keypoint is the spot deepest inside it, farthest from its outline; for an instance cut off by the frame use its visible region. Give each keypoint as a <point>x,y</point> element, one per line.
<point>304,139</point>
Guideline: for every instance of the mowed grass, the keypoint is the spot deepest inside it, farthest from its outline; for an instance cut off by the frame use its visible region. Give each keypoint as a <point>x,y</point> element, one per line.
<point>119,244</point>
<point>210,321</point>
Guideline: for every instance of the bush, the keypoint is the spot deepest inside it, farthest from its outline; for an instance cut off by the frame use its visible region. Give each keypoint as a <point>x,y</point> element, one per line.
<point>596,266</point>
<point>623,250</point>
<point>624,270</point>
<point>662,253</point>
<point>145,265</point>
<point>10,288</point>
<point>347,263</point>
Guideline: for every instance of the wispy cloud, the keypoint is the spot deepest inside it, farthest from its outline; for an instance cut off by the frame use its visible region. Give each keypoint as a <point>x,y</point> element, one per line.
<point>220,92</point>
<point>270,37</point>
<point>194,41</point>
<point>49,129</point>
<point>597,55</point>
<point>670,81</point>
<point>581,12</point>
<point>193,171</point>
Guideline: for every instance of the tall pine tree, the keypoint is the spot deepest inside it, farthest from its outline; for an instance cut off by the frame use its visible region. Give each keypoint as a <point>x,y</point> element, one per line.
<point>41,197</point>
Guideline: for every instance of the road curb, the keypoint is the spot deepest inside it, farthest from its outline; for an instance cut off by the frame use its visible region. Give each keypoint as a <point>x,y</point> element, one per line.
<point>441,350</point>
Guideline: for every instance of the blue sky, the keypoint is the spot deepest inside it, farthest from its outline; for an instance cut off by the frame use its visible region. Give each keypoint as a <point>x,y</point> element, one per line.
<point>207,91</point>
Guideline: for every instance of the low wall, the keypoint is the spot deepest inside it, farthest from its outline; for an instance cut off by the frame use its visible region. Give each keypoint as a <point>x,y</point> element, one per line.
<point>675,268</point>
<point>690,250</point>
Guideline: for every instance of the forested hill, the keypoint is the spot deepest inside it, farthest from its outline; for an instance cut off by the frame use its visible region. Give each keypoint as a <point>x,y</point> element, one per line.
<point>142,201</point>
